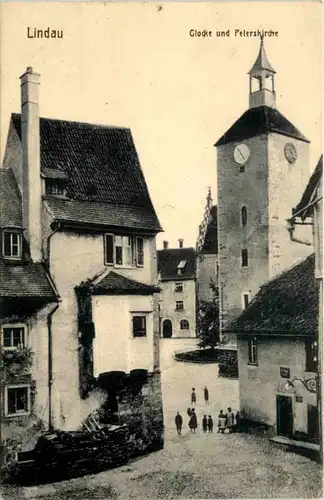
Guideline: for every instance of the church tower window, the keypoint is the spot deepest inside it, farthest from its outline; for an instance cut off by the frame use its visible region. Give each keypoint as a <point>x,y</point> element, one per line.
<point>243,216</point>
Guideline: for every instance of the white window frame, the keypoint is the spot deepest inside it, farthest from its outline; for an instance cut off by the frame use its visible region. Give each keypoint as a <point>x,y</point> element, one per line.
<point>12,232</point>
<point>54,187</point>
<point>178,285</point>
<point>134,249</point>
<point>13,325</point>
<point>253,351</point>
<point>179,308</point>
<point>135,314</point>
<point>243,295</point>
<point>19,413</point>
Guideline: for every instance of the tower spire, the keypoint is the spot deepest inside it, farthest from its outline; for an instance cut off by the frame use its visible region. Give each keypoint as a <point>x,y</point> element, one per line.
<point>262,88</point>
<point>203,226</point>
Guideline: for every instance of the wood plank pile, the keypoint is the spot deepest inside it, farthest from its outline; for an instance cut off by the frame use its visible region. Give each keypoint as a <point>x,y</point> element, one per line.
<point>61,455</point>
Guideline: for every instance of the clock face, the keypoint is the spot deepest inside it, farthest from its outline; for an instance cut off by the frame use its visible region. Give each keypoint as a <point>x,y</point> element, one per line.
<point>241,154</point>
<point>290,152</point>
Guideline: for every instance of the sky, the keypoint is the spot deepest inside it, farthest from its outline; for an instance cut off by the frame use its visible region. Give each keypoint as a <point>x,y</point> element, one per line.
<point>135,65</point>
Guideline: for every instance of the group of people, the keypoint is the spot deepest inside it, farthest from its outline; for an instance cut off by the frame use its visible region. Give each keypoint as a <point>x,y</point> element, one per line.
<point>226,421</point>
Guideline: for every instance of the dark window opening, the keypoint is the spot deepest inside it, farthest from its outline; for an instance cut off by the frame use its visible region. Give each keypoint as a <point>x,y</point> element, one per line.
<point>184,324</point>
<point>253,351</point>
<point>139,326</point>
<point>17,401</point>
<point>243,216</point>
<point>139,251</point>
<point>246,300</point>
<point>244,258</point>
<point>311,355</point>
<point>55,187</point>
<point>179,305</point>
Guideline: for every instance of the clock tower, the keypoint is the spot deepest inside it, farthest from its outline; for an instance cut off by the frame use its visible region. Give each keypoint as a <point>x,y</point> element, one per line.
<point>262,167</point>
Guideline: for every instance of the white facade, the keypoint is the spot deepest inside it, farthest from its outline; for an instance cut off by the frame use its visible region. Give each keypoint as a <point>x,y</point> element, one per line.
<point>182,317</point>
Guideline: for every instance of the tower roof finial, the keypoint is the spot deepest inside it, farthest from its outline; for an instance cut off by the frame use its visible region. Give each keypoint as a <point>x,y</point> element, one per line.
<point>262,61</point>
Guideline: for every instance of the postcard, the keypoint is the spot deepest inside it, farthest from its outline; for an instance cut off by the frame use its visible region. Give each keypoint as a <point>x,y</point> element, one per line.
<point>161,240</point>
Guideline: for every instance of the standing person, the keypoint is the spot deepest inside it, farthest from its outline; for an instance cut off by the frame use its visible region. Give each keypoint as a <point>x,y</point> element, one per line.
<point>204,423</point>
<point>221,422</point>
<point>193,396</point>
<point>193,424</point>
<point>178,422</point>
<point>229,420</point>
<point>206,395</point>
<point>210,424</point>
<point>237,422</point>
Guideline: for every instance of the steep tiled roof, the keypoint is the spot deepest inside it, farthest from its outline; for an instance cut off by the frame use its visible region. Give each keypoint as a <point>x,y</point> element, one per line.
<point>27,280</point>
<point>10,200</point>
<point>257,121</point>
<point>101,214</point>
<point>210,242</point>
<point>310,190</point>
<point>288,304</point>
<point>18,279</point>
<point>115,283</point>
<point>168,261</point>
<point>101,164</point>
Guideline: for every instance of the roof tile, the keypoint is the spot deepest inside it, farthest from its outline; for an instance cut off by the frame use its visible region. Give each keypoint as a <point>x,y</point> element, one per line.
<point>288,304</point>
<point>257,121</point>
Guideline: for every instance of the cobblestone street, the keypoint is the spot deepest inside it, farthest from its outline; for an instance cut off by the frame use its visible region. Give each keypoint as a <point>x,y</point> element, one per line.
<point>195,466</point>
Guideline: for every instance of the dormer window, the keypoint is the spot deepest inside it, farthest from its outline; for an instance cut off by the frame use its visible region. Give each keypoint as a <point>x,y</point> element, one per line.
<point>12,244</point>
<point>181,266</point>
<point>55,187</point>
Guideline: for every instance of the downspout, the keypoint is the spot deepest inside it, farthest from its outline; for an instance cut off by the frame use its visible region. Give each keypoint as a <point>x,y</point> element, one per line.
<point>50,336</point>
<point>50,366</point>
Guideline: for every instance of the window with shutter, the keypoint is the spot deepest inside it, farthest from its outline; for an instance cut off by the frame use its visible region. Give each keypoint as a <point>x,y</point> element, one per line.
<point>109,249</point>
<point>139,251</point>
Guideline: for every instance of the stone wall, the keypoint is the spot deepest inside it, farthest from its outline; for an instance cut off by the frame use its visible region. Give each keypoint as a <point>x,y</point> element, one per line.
<point>142,412</point>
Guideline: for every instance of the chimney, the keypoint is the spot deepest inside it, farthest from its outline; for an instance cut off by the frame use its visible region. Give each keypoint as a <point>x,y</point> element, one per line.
<point>180,242</point>
<point>165,245</point>
<point>30,138</point>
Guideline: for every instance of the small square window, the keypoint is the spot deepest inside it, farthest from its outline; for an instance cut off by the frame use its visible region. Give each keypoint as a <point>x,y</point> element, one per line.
<point>13,336</point>
<point>12,244</point>
<point>179,305</point>
<point>178,287</point>
<point>17,400</point>
<point>139,326</point>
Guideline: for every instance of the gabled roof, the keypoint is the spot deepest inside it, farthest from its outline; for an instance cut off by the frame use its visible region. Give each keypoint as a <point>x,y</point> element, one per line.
<point>169,260</point>
<point>309,192</point>
<point>28,280</point>
<point>286,305</point>
<point>10,200</point>
<point>113,283</point>
<point>257,121</point>
<point>100,162</point>
<point>261,62</point>
<point>210,244</point>
<point>23,279</point>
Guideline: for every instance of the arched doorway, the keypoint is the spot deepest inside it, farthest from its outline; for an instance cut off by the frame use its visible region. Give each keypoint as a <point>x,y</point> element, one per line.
<point>167,329</point>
